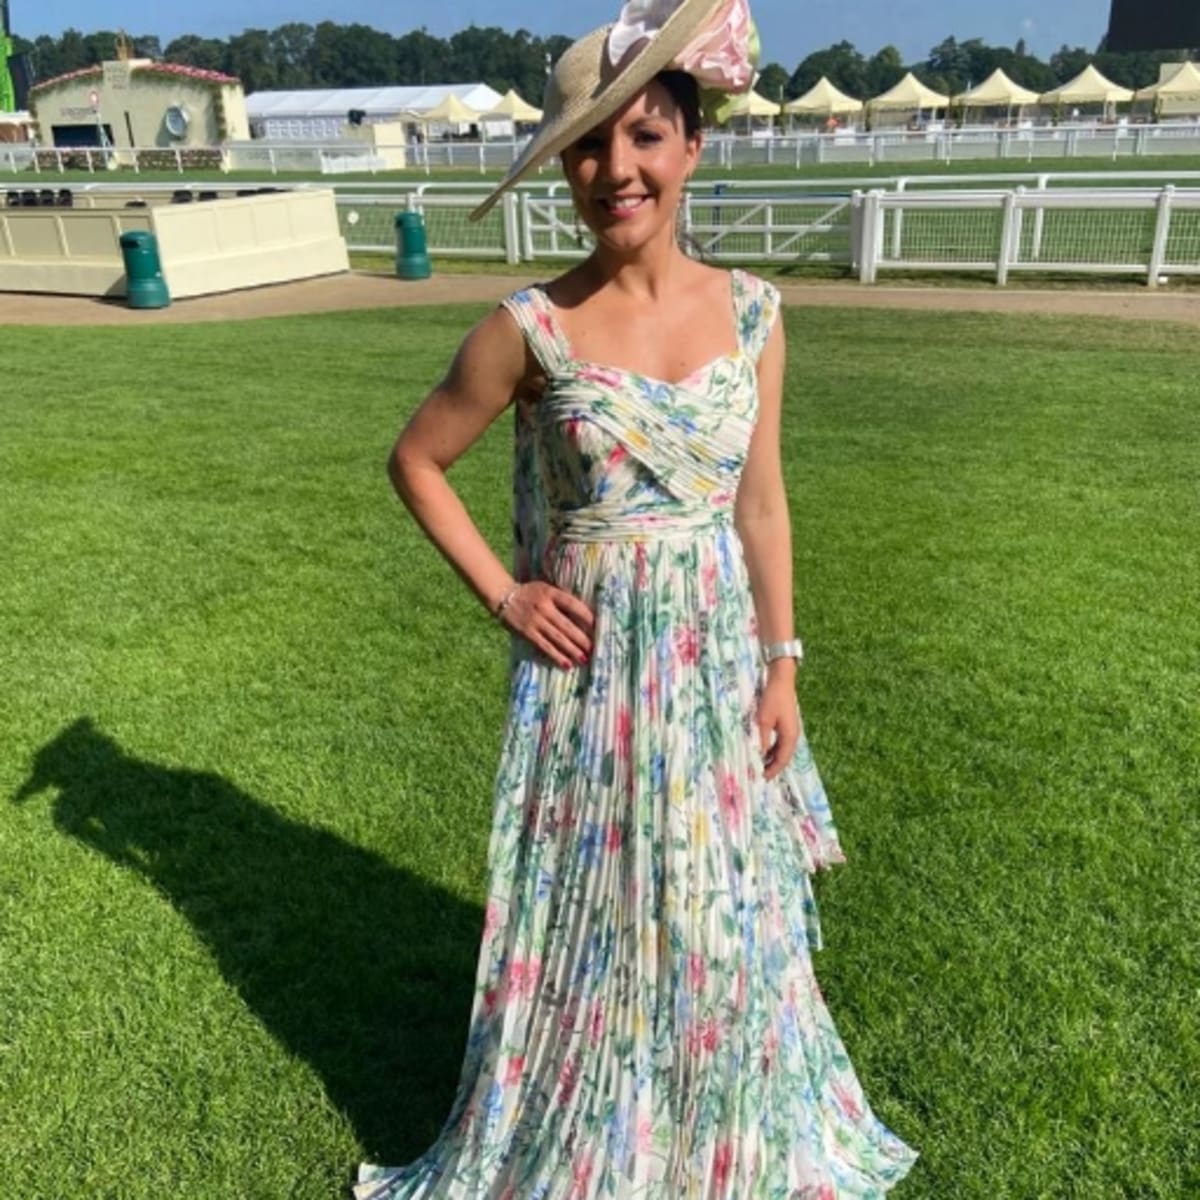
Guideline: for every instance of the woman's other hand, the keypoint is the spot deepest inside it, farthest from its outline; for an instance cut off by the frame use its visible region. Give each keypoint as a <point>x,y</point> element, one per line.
<point>778,718</point>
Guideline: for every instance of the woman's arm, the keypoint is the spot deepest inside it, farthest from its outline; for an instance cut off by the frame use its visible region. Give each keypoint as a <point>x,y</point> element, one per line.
<point>763,523</point>
<point>490,368</point>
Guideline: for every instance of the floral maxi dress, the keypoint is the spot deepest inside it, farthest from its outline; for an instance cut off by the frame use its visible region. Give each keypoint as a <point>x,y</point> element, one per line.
<point>646,1023</point>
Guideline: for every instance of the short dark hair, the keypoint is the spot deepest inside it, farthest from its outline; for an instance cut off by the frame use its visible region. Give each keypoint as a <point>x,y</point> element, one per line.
<point>685,91</point>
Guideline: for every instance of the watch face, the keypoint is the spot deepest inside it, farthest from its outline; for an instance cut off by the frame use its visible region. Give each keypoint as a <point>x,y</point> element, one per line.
<point>176,120</point>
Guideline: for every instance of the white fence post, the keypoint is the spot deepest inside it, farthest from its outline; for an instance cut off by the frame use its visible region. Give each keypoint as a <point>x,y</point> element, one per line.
<point>1162,230</point>
<point>872,236</point>
<point>1039,222</point>
<point>856,229</point>
<point>1006,232</point>
<point>526,229</point>
<point>512,229</point>
<point>898,221</point>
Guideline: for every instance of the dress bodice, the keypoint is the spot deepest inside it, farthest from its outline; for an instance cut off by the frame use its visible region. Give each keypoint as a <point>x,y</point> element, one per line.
<point>607,453</point>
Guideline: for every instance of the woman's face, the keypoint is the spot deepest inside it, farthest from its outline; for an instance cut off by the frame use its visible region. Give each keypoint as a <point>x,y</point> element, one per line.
<point>627,175</point>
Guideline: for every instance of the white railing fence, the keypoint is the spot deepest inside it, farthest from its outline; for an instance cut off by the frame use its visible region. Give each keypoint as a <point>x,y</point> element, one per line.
<point>774,148</point>
<point>1153,233</point>
<point>1148,231</point>
<point>529,225</point>
<point>723,151</point>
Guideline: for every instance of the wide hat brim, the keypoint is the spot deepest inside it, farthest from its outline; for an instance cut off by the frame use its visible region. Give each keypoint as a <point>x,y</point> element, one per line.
<point>586,89</point>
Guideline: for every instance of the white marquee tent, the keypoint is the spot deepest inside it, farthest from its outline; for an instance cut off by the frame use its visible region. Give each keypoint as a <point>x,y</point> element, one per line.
<point>320,114</point>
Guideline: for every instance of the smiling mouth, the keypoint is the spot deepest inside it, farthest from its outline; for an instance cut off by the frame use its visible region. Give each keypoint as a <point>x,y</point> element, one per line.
<point>623,205</point>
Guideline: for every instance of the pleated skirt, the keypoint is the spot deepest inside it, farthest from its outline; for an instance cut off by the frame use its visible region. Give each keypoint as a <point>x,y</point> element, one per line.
<point>646,1021</point>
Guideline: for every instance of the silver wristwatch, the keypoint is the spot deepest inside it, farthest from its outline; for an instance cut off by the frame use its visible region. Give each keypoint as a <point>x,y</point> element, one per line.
<point>792,649</point>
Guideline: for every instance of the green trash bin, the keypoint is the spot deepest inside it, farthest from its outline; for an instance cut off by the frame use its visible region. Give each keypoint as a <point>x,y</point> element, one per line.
<point>145,286</point>
<point>412,255</point>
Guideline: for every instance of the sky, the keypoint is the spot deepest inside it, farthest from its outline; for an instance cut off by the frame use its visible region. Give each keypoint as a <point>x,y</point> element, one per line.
<point>791,29</point>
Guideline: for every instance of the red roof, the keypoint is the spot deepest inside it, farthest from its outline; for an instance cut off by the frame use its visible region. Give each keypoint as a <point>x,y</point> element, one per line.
<point>175,70</point>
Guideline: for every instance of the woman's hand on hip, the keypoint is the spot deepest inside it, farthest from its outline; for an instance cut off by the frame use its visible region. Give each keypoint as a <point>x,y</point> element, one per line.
<point>779,723</point>
<point>554,621</point>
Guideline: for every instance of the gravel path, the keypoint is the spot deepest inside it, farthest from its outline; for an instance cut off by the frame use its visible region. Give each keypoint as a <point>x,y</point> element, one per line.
<point>363,290</point>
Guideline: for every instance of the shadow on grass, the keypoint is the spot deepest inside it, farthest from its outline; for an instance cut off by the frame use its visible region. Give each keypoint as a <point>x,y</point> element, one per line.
<point>357,966</point>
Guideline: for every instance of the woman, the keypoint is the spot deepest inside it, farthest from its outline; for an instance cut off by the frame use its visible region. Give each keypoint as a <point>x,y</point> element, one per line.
<point>646,1022</point>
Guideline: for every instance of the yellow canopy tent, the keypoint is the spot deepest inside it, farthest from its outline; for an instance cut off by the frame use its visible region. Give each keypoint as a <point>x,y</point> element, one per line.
<point>751,104</point>
<point>513,108</point>
<point>1088,87</point>
<point>997,91</point>
<point>451,111</point>
<point>823,100</point>
<point>910,95</point>
<point>1178,94</point>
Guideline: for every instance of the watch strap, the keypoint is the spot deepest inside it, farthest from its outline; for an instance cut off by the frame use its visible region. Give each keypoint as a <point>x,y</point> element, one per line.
<point>789,649</point>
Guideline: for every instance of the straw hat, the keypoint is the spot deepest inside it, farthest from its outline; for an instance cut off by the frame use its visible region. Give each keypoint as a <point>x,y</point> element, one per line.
<point>586,87</point>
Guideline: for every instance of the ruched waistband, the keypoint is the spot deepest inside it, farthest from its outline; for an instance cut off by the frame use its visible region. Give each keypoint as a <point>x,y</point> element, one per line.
<point>597,525</point>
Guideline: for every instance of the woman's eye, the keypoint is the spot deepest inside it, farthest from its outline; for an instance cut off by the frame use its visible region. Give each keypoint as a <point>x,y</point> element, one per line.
<point>645,138</point>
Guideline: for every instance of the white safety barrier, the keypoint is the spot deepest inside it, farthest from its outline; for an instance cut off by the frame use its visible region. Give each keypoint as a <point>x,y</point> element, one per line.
<point>722,150</point>
<point>1147,231</point>
<point>1150,232</point>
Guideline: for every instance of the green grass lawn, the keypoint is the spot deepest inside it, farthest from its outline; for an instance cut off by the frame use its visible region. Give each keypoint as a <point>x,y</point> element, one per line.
<point>249,722</point>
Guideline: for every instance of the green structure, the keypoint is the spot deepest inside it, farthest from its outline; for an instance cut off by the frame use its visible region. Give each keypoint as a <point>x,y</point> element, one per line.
<point>412,254</point>
<point>8,94</point>
<point>145,286</point>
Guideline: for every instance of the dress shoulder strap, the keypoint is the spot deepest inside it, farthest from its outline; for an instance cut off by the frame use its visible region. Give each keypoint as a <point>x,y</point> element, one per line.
<point>757,304</point>
<point>532,311</point>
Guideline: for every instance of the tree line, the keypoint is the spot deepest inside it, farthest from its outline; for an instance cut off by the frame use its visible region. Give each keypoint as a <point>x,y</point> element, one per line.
<point>329,55</point>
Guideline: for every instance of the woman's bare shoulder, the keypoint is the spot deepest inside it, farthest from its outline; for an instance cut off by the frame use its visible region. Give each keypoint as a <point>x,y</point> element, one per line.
<point>492,361</point>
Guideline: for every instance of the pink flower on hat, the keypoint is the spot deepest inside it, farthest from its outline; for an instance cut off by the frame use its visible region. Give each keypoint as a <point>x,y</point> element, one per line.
<point>719,56</point>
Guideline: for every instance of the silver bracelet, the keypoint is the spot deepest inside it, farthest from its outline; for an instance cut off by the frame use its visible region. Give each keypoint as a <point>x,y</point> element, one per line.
<point>790,649</point>
<point>512,591</point>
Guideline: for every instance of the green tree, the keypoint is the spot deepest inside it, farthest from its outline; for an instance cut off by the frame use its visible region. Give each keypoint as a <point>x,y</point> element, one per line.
<point>419,58</point>
<point>251,57</point>
<point>291,47</point>
<point>146,45</point>
<point>949,64</point>
<point>773,81</point>
<point>1066,62</point>
<point>206,53</point>
<point>1131,70</point>
<point>351,56</point>
<point>884,70</point>
<point>100,47</point>
<point>841,64</point>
